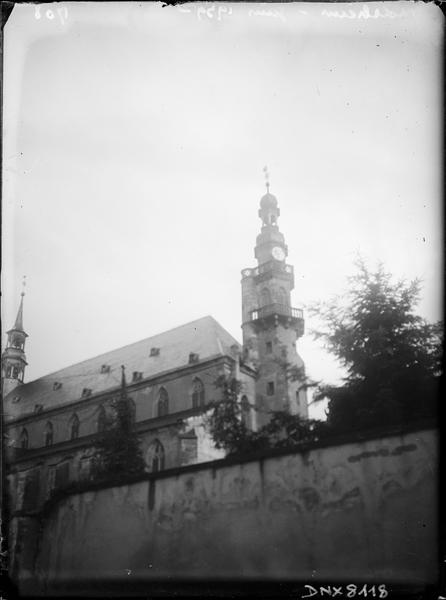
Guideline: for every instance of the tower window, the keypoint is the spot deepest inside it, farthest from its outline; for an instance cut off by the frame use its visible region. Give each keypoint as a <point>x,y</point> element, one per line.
<point>57,385</point>
<point>137,376</point>
<point>24,439</point>
<point>48,434</point>
<point>269,347</point>
<point>197,393</point>
<point>154,351</point>
<point>17,343</point>
<point>270,388</point>
<point>162,407</point>
<point>283,297</point>
<point>74,427</point>
<point>265,297</point>
<point>15,372</point>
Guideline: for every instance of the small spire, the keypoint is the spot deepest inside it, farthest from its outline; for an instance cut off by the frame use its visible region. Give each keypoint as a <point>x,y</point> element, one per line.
<point>265,170</point>
<point>18,325</point>
<point>123,383</point>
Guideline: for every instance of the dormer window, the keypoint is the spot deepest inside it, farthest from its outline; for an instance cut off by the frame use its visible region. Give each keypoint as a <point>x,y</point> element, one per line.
<point>16,399</point>
<point>193,357</point>
<point>86,392</point>
<point>38,408</point>
<point>57,385</point>
<point>154,351</point>
<point>105,369</point>
<point>137,376</point>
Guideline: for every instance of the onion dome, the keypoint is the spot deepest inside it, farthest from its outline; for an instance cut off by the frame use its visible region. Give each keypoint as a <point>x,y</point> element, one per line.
<point>268,201</point>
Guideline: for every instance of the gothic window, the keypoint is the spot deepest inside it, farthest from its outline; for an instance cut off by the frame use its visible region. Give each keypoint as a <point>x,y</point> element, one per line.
<point>24,439</point>
<point>246,412</point>
<point>283,297</point>
<point>197,393</point>
<point>48,434</point>
<point>162,407</point>
<point>74,427</point>
<point>155,457</point>
<point>265,297</point>
<point>101,420</point>
<point>270,388</point>
<point>272,219</point>
<point>15,372</point>
<point>8,371</point>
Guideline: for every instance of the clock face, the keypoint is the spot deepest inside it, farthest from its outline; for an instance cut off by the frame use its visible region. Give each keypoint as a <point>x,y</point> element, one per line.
<point>278,253</point>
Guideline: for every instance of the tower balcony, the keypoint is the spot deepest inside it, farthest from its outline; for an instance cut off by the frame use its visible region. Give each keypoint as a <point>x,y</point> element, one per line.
<point>275,313</point>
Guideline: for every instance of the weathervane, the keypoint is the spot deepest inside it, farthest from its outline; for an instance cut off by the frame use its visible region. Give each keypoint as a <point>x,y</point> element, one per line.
<point>265,170</point>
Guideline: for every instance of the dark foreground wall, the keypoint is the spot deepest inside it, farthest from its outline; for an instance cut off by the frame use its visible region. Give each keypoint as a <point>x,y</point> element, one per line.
<point>357,511</point>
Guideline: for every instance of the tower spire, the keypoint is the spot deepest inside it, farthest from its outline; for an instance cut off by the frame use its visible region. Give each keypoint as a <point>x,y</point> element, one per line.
<point>18,325</point>
<point>266,172</point>
<point>13,358</point>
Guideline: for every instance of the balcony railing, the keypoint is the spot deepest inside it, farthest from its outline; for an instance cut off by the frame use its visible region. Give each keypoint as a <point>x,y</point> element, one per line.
<point>277,309</point>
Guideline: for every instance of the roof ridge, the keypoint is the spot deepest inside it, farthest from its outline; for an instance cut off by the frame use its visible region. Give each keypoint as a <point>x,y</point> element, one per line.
<point>76,364</point>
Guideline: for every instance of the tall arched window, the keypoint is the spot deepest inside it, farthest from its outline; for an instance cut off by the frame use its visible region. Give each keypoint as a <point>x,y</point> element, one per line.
<point>101,420</point>
<point>197,393</point>
<point>246,412</point>
<point>48,434</point>
<point>155,456</point>
<point>24,439</point>
<point>283,296</point>
<point>162,407</point>
<point>265,297</point>
<point>74,427</point>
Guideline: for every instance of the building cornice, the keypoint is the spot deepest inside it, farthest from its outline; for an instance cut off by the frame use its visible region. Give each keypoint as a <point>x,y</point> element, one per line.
<point>158,379</point>
<point>87,441</point>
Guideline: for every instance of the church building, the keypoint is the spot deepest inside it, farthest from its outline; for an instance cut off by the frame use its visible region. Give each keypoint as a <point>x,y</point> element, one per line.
<point>51,423</point>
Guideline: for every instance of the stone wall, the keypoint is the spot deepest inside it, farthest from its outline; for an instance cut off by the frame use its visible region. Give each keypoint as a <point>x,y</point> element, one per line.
<point>358,511</point>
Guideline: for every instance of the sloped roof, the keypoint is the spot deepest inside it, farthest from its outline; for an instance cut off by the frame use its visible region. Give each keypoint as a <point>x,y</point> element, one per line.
<point>204,337</point>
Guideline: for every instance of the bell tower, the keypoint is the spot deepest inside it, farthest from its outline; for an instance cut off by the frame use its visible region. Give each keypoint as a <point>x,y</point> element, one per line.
<point>271,326</point>
<point>13,358</point>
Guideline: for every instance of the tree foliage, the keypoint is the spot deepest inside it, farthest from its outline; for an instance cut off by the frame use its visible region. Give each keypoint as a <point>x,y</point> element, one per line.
<point>392,356</point>
<point>118,452</point>
<point>230,433</point>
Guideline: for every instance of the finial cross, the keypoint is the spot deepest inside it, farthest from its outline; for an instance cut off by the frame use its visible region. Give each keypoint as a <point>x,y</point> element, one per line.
<point>266,172</point>
<point>23,285</point>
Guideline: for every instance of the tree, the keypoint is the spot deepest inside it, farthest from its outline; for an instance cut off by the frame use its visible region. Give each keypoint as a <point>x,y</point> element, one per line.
<point>229,432</point>
<point>118,449</point>
<point>392,356</point>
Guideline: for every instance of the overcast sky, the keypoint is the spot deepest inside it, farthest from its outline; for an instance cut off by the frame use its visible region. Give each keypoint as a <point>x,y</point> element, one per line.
<point>134,142</point>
